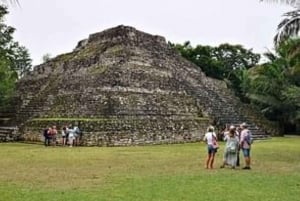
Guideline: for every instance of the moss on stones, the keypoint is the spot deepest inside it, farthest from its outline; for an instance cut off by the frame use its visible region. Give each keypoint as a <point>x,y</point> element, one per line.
<point>98,69</point>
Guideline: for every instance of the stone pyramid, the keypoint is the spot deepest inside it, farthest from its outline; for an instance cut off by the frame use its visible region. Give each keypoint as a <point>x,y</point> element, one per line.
<point>123,86</point>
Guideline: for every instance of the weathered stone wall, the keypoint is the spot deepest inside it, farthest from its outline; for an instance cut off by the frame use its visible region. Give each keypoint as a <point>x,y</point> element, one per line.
<point>129,130</point>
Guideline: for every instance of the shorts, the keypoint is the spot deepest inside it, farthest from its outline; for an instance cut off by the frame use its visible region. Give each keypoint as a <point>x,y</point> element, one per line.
<point>246,152</point>
<point>210,149</point>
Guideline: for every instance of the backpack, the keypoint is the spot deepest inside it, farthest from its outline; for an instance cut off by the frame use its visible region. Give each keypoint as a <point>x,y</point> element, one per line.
<point>77,130</point>
<point>45,133</point>
<point>249,138</point>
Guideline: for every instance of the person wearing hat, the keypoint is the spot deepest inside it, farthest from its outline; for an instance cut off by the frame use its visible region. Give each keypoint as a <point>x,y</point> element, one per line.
<point>231,148</point>
<point>245,145</point>
<point>211,140</point>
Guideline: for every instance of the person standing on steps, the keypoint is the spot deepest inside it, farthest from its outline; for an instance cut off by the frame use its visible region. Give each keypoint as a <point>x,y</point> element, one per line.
<point>245,145</point>
<point>211,140</point>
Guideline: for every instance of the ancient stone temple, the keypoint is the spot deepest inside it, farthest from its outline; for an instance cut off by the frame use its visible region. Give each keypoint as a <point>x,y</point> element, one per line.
<point>123,86</point>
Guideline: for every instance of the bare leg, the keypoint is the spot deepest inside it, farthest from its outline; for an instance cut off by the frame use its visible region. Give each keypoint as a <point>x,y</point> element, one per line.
<point>247,161</point>
<point>212,158</point>
<point>207,161</point>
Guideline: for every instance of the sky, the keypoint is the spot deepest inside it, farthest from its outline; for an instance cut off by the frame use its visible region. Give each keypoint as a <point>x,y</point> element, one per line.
<point>55,26</point>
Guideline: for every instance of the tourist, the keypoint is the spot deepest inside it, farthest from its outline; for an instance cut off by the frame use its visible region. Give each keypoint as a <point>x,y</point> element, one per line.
<point>77,136</point>
<point>231,148</point>
<point>211,140</point>
<point>49,134</point>
<point>52,132</point>
<point>64,135</point>
<point>71,136</point>
<point>47,138</point>
<point>225,131</point>
<point>238,133</point>
<point>245,145</point>
<point>67,134</point>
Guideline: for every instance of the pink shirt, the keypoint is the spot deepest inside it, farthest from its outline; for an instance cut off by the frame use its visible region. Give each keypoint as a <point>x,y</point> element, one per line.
<point>243,143</point>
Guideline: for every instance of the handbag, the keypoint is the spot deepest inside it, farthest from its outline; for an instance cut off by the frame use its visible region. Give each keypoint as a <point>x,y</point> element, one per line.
<point>215,142</point>
<point>232,148</point>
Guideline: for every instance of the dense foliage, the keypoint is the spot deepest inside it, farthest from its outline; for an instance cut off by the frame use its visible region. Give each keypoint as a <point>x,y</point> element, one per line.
<point>274,86</point>
<point>14,59</point>
<point>226,62</point>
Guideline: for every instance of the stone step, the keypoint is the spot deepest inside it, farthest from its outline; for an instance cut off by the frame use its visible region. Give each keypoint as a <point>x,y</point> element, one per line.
<point>8,134</point>
<point>224,108</point>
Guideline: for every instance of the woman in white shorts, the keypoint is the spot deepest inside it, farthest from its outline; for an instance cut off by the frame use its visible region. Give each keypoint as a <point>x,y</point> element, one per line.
<point>71,136</point>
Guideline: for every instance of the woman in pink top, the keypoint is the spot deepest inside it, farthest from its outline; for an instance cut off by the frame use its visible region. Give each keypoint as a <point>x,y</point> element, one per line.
<point>53,132</point>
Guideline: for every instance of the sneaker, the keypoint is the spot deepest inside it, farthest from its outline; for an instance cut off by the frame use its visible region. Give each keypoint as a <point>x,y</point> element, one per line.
<point>222,166</point>
<point>246,168</point>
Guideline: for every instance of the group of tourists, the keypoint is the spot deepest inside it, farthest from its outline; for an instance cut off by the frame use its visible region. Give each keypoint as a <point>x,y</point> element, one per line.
<point>70,136</point>
<point>237,139</point>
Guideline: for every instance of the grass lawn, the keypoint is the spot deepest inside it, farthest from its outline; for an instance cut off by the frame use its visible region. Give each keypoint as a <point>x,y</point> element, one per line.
<point>162,172</point>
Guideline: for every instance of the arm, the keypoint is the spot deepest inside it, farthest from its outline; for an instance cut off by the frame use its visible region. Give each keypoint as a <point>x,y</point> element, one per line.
<point>225,138</point>
<point>242,139</point>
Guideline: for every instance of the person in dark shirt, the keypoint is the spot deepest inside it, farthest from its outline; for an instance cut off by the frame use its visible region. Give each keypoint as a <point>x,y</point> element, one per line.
<point>47,138</point>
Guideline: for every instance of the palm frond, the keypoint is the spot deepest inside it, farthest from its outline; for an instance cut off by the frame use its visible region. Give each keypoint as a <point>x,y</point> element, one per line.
<point>12,2</point>
<point>265,99</point>
<point>270,56</point>
<point>294,3</point>
<point>293,94</point>
<point>288,27</point>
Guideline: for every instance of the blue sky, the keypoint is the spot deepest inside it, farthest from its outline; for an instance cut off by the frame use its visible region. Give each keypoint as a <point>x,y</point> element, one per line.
<point>55,26</point>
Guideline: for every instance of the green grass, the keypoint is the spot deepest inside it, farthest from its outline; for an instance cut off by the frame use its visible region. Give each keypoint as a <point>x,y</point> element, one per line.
<point>164,172</point>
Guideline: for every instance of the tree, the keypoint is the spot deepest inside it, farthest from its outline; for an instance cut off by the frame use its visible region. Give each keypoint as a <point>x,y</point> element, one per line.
<point>9,2</point>
<point>234,60</point>
<point>226,62</point>
<point>22,61</point>
<point>7,82</point>
<point>274,86</point>
<point>14,59</point>
<point>290,25</point>
<point>46,57</point>
<point>17,56</point>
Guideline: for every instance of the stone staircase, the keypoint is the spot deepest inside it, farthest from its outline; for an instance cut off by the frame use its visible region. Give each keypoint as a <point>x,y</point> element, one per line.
<point>224,108</point>
<point>14,117</point>
<point>220,103</point>
<point>35,105</point>
<point>8,134</point>
<point>6,117</point>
